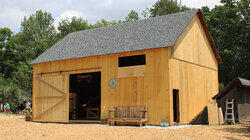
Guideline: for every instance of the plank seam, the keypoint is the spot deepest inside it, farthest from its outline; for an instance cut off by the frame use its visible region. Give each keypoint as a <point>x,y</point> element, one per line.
<point>193,63</point>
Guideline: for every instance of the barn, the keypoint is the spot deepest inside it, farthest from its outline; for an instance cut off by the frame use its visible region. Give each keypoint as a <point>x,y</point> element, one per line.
<point>168,64</point>
<point>239,90</point>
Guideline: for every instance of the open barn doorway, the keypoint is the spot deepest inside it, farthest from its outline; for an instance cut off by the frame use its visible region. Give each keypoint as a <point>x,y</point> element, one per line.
<point>176,108</point>
<point>85,96</point>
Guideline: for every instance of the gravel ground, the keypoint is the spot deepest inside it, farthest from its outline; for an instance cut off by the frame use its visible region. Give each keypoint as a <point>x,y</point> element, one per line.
<point>14,127</point>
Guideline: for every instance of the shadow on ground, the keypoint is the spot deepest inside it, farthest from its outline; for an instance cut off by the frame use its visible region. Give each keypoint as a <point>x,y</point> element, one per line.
<point>242,130</point>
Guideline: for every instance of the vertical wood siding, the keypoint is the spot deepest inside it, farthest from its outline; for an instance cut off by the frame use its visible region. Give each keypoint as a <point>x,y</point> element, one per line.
<point>50,101</point>
<point>193,70</point>
<point>148,89</point>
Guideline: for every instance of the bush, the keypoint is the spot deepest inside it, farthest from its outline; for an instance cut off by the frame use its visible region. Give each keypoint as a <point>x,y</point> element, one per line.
<point>9,92</point>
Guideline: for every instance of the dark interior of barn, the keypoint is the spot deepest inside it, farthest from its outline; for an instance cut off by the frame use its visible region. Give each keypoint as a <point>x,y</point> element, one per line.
<point>85,96</point>
<point>176,106</point>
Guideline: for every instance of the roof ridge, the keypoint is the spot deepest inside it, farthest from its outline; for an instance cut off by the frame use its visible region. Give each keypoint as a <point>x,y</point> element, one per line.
<point>140,20</point>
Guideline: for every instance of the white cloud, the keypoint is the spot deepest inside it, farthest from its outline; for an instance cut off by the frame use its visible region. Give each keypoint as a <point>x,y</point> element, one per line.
<point>108,3</point>
<point>13,11</point>
<point>200,3</point>
<point>11,18</point>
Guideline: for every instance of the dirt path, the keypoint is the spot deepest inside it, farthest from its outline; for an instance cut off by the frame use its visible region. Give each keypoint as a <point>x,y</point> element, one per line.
<point>14,127</point>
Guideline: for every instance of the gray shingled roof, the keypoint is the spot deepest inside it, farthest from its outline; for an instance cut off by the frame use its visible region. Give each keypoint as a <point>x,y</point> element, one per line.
<point>244,82</point>
<point>236,82</point>
<point>161,31</point>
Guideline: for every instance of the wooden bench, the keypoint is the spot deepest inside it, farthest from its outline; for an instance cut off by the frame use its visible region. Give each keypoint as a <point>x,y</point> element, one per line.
<point>135,114</point>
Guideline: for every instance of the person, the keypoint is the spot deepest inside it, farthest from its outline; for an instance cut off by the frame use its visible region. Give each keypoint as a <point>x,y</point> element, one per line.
<point>4,108</point>
<point>27,106</point>
<point>1,107</point>
<point>7,107</point>
<point>21,109</point>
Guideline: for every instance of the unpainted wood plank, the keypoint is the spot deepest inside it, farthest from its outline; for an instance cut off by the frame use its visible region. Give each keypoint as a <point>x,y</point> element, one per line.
<point>221,118</point>
<point>213,116</point>
<point>49,109</point>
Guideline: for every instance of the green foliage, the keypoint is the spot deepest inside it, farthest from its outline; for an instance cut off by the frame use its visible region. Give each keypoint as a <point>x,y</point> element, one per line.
<point>38,34</point>
<point>6,52</point>
<point>74,24</point>
<point>146,13</point>
<point>37,26</point>
<point>28,114</point>
<point>23,74</point>
<point>10,93</point>
<point>229,26</point>
<point>164,7</point>
<point>104,22</point>
<point>5,34</point>
<point>132,16</point>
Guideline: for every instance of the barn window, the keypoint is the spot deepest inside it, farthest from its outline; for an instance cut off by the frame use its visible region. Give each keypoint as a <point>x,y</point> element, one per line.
<point>132,60</point>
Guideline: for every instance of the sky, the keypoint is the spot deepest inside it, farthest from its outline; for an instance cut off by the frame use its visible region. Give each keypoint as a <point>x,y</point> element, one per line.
<point>12,12</point>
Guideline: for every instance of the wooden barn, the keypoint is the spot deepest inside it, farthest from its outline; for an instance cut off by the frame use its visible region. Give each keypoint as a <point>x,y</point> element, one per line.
<point>239,90</point>
<point>168,64</point>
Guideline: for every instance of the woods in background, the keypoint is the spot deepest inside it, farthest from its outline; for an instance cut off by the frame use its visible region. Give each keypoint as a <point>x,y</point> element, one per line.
<point>228,24</point>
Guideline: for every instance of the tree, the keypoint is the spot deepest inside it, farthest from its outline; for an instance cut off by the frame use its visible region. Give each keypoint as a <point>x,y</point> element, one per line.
<point>7,62</point>
<point>74,24</point>
<point>229,27</point>
<point>146,13</point>
<point>104,22</point>
<point>10,93</point>
<point>23,73</point>
<point>37,35</point>
<point>5,34</point>
<point>164,7</point>
<point>132,16</point>
<point>38,26</point>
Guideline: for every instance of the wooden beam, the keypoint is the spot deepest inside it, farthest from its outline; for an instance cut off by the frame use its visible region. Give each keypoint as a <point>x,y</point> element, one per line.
<point>194,63</point>
<point>46,83</point>
<point>62,71</point>
<point>51,97</point>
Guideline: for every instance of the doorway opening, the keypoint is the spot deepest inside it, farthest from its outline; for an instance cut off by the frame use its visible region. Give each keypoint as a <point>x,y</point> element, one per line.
<point>85,96</point>
<point>176,106</point>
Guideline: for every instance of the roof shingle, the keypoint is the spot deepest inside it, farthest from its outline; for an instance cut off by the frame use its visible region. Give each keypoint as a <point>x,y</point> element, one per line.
<point>236,82</point>
<point>161,31</point>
